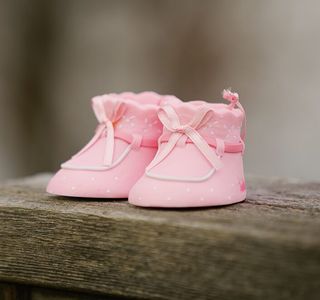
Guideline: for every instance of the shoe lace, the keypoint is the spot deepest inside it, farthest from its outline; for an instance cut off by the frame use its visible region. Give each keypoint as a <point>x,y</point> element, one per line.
<point>107,118</point>
<point>171,122</point>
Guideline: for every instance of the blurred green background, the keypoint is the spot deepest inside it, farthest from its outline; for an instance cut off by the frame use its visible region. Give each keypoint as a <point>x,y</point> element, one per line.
<point>56,55</point>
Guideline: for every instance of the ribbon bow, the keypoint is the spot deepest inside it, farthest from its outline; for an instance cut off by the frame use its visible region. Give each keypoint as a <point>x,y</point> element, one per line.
<point>171,122</point>
<point>107,113</point>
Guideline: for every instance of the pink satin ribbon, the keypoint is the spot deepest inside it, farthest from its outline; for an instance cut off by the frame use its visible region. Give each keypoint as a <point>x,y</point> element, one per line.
<point>107,114</point>
<point>171,122</point>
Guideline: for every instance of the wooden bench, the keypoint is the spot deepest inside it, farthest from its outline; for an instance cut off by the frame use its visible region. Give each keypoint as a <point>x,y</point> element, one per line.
<point>267,247</point>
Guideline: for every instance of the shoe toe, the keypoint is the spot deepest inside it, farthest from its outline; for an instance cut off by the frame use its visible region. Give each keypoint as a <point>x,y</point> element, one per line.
<point>150,192</point>
<point>88,184</point>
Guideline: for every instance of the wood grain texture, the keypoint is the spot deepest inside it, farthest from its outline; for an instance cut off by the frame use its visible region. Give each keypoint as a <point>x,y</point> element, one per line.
<point>267,247</point>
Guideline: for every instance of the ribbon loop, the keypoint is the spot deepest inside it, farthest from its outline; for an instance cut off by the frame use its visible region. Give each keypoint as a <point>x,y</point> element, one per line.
<point>171,122</point>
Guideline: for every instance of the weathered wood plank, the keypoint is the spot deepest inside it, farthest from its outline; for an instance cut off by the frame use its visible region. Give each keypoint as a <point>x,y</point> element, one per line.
<point>267,247</point>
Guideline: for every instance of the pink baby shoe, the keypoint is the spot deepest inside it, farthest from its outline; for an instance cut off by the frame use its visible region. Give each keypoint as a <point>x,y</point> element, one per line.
<point>125,142</point>
<point>199,160</point>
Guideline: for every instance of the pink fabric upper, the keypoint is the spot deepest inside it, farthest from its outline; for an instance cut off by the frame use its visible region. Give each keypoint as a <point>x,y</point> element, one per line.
<point>132,115</point>
<point>139,114</point>
<point>225,124</point>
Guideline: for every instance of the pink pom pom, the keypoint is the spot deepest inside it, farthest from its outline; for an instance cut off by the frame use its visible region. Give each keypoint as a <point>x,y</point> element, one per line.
<point>232,97</point>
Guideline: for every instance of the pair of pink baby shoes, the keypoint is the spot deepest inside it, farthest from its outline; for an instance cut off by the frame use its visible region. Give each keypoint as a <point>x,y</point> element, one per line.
<point>158,151</point>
